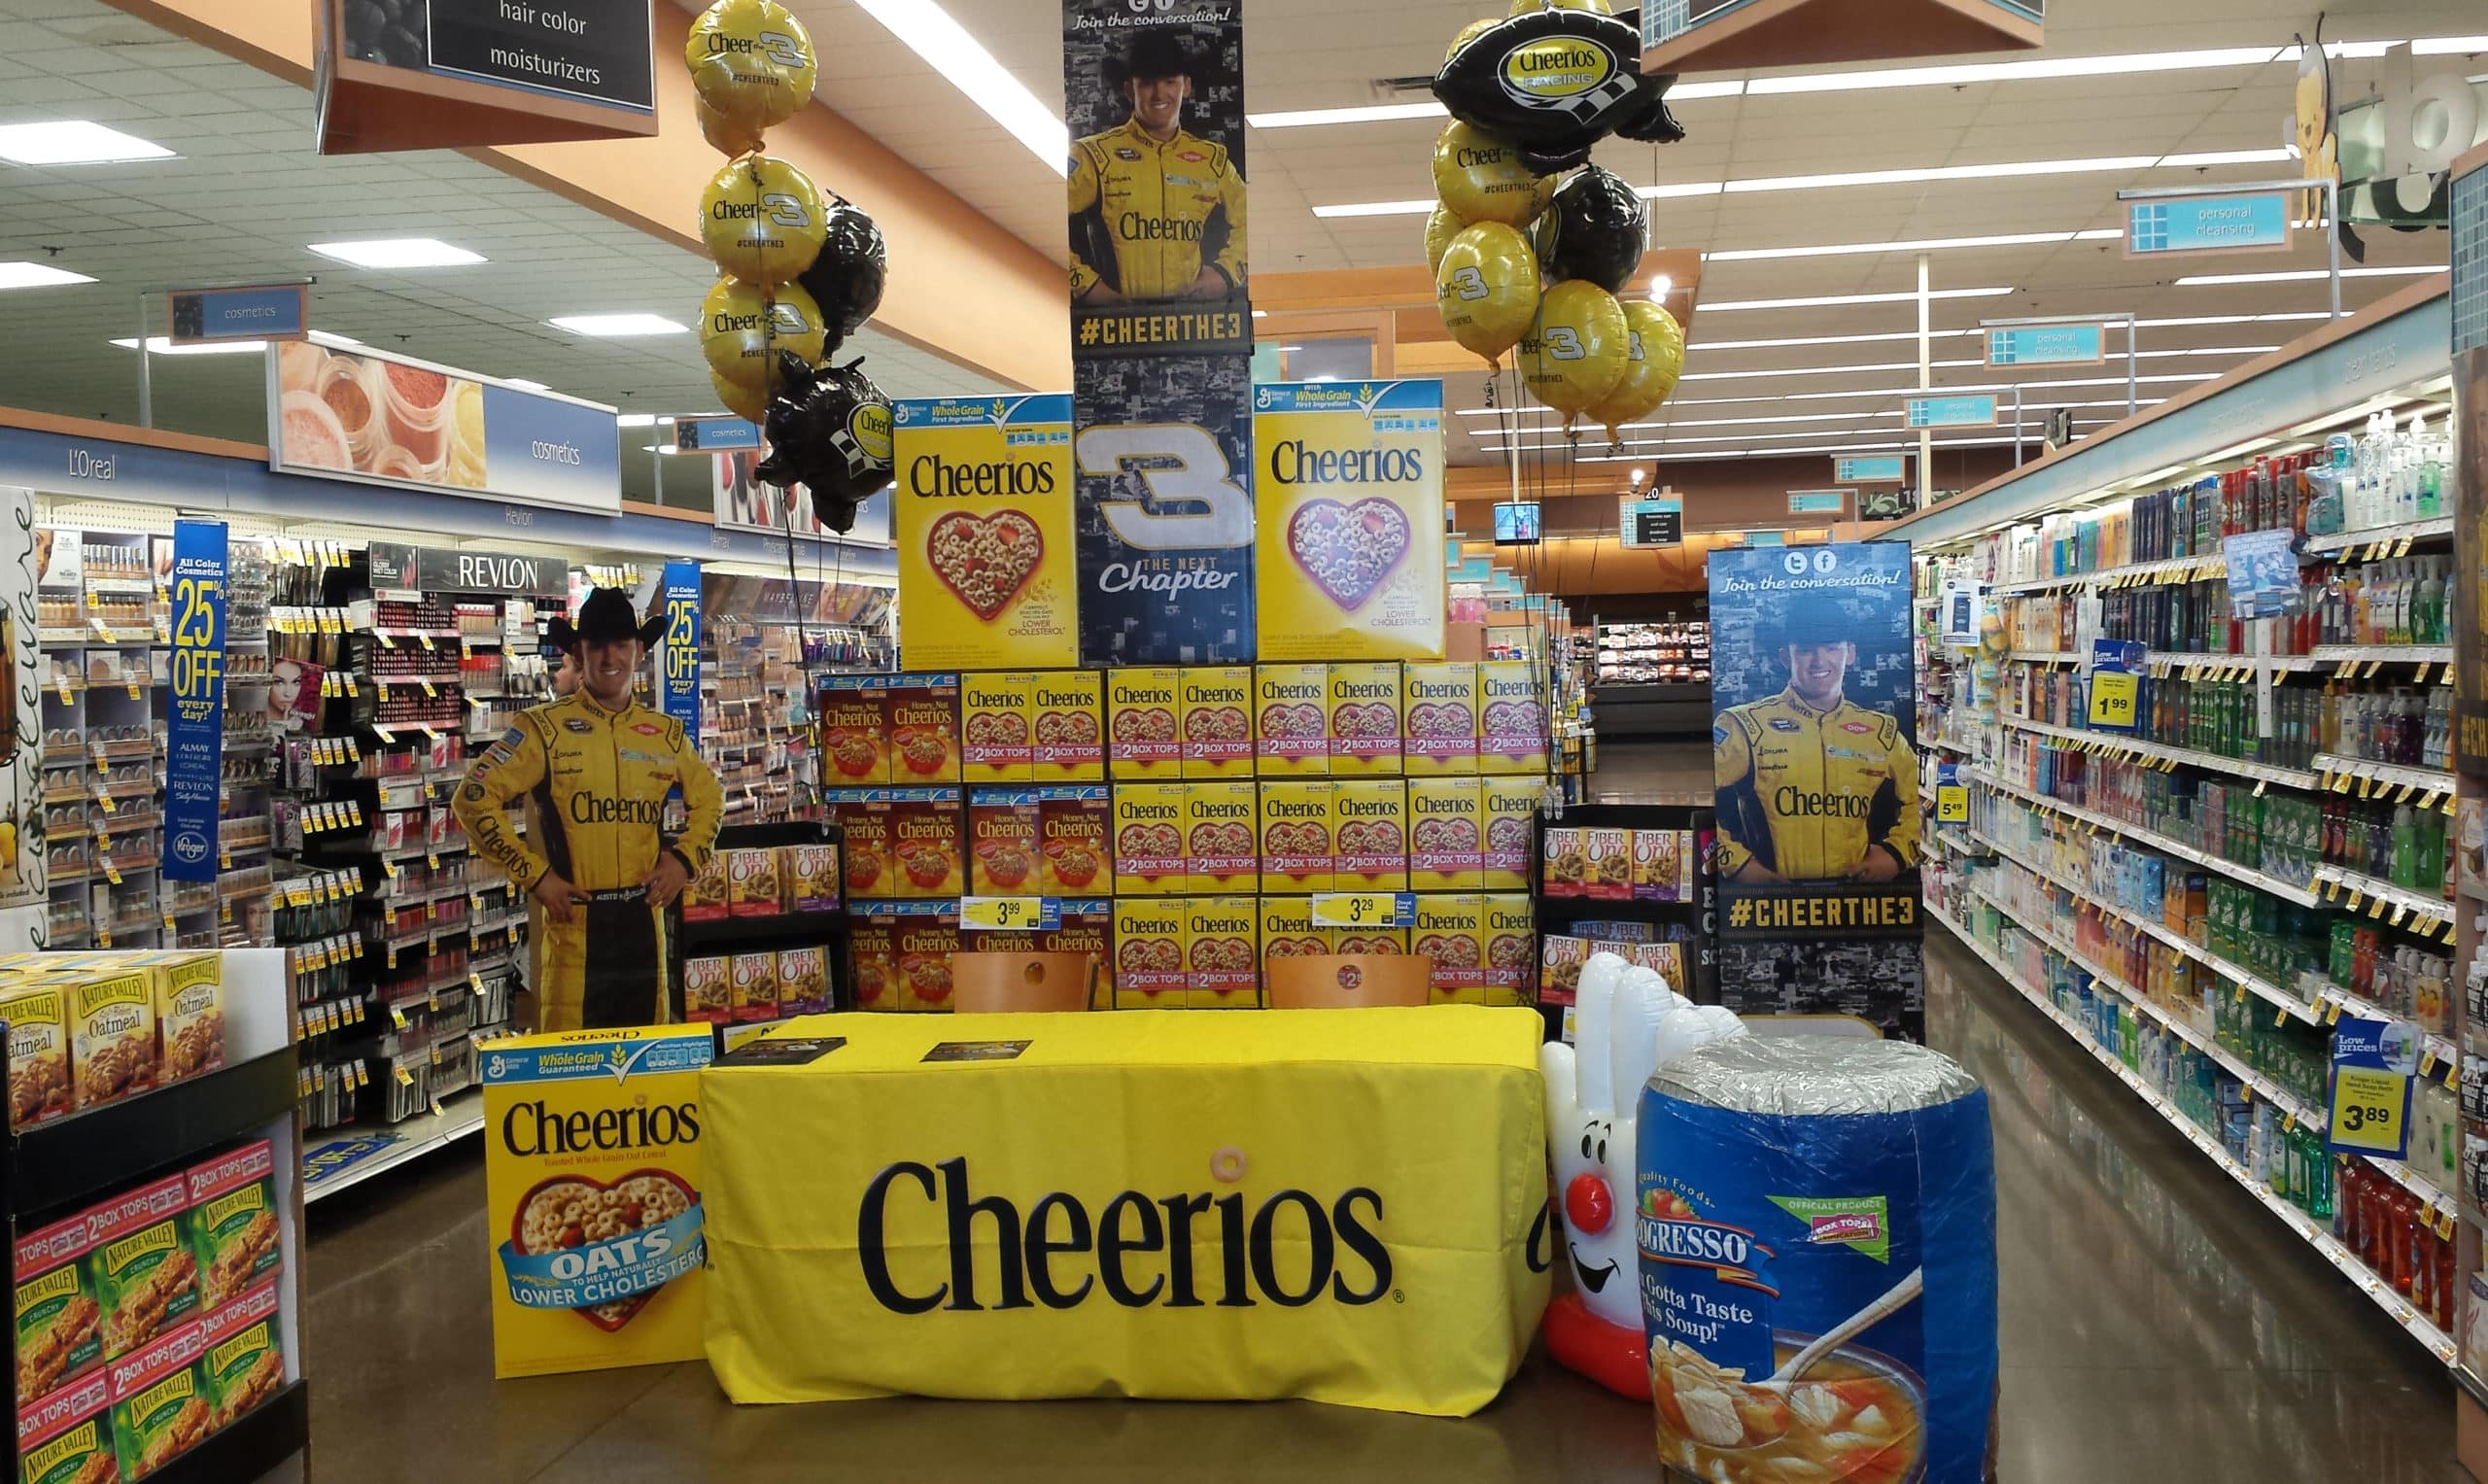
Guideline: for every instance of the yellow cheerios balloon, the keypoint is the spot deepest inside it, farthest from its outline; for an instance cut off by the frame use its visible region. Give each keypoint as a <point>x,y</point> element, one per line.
<point>1654,358</point>
<point>1440,229</point>
<point>752,61</point>
<point>1471,32</point>
<point>1481,179</point>
<point>1573,354</point>
<point>743,327</point>
<point>741,400</point>
<point>1526,7</point>
<point>727,138</point>
<point>1487,288</point>
<point>761,220</point>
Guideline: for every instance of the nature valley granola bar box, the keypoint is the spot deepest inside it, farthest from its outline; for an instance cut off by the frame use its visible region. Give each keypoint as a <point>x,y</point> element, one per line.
<point>923,728</point>
<point>39,1085</point>
<point>1144,732</point>
<point>1221,954</point>
<point>1510,937</point>
<point>1450,933</point>
<point>927,853</point>
<point>1149,840</point>
<point>1222,836</point>
<point>1003,846</point>
<point>1369,834</point>
<point>1511,720</point>
<point>160,1410</point>
<point>855,734</point>
<point>592,1184</point>
<point>66,1437</point>
<point>1446,834</point>
<point>996,744</point>
<point>1511,807</point>
<point>241,1358</point>
<point>146,1279</point>
<point>112,1034</point>
<point>1296,852</point>
<point>59,1321</point>
<point>1067,719</point>
<point>1365,717</point>
<point>1075,840</point>
<point>1440,705</point>
<point>1150,935</point>
<point>1291,715</point>
<point>1217,721</point>
<point>231,1223</point>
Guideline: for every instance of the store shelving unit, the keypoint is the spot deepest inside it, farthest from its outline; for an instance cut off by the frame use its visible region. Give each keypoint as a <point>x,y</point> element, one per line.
<point>1653,678</point>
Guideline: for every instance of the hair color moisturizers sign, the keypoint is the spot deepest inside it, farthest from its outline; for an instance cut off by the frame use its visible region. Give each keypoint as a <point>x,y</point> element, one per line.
<point>1350,541</point>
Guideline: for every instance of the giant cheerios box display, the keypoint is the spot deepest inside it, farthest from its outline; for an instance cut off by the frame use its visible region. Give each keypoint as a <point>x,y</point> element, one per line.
<point>1348,500</point>
<point>592,1179</point>
<point>980,514</point>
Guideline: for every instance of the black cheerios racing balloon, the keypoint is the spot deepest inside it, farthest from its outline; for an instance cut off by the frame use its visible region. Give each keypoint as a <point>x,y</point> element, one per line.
<point>1554,83</point>
<point>845,280</point>
<point>1594,228</point>
<point>829,431</point>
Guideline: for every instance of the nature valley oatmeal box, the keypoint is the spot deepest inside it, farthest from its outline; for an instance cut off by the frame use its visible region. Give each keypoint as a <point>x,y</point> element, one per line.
<point>159,1408</point>
<point>1288,932</point>
<point>59,1321</point>
<point>592,1184</point>
<point>1075,840</point>
<point>1144,735</point>
<point>752,987</point>
<point>1369,834</point>
<point>231,1223</point>
<point>803,980</point>
<point>923,728</point>
<point>39,1088</point>
<point>872,962</point>
<point>1067,720</point>
<point>929,934</point>
<point>1087,927</point>
<point>146,1278</point>
<point>1446,834</point>
<point>1150,935</point>
<point>1509,805</point>
<point>1450,933</point>
<point>1365,717</point>
<point>1216,721</point>
<point>1510,937</point>
<point>112,1034</point>
<point>66,1437</point>
<point>190,1012</point>
<point>1511,720</point>
<point>1222,836</point>
<point>1440,705</point>
<point>755,887</point>
<point>1003,846</point>
<point>708,989</point>
<point>996,744</point>
<point>1149,840</point>
<point>1221,955</point>
<point>854,736</point>
<point>811,876</point>
<point>928,857</point>
<point>1291,717</point>
<point>1295,835</point>
<point>863,819</point>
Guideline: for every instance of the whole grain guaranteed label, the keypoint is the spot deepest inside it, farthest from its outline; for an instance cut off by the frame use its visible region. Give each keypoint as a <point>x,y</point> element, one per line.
<point>982,509</point>
<point>1349,493</point>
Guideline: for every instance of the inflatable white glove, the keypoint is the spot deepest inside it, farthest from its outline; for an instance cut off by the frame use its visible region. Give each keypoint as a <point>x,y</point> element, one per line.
<point>1593,1097</point>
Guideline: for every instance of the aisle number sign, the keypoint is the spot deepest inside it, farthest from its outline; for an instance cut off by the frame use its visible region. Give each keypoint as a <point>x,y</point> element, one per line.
<point>2116,684</point>
<point>2372,1062</point>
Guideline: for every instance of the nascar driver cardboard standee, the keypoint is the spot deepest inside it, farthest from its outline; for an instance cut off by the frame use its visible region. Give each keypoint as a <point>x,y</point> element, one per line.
<point>1161,330</point>
<point>1815,766</point>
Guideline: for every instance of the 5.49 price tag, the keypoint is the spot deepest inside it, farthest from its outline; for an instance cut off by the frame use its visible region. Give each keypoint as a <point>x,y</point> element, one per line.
<point>1951,804</point>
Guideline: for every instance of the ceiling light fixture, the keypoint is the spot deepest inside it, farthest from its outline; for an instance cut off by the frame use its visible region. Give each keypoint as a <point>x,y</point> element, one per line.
<point>74,142</point>
<point>521,381</point>
<point>1825,370</point>
<point>397,253</point>
<point>930,33</point>
<point>21,274</point>
<point>2100,164</point>
<point>635,420</point>
<point>2012,72</point>
<point>1673,191</point>
<point>2449,46</point>
<point>157,345</point>
<point>1831,301</point>
<point>613,326</point>
<point>1922,245</point>
<point>2221,158</point>
<point>2300,275</point>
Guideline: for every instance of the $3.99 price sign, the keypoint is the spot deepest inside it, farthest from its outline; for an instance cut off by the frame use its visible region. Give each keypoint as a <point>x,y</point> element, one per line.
<point>1039,915</point>
<point>2372,1066</point>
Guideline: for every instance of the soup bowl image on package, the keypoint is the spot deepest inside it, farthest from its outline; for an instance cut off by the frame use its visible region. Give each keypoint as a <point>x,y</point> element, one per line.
<point>1626,1022</point>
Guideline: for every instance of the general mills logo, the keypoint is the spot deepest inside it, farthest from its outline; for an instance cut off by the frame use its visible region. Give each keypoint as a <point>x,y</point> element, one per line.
<point>190,845</point>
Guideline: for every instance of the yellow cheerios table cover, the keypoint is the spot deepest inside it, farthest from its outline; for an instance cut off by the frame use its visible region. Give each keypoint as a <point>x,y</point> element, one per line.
<point>1342,1205</point>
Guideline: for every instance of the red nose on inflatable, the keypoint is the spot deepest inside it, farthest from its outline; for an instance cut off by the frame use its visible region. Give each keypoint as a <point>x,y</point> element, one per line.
<point>1588,1204</point>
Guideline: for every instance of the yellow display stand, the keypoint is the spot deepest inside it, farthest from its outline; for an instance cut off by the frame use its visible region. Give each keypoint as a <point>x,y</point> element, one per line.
<point>1341,1205</point>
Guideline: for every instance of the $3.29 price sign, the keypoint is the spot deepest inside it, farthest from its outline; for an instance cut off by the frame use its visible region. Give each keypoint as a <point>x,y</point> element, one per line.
<point>1364,909</point>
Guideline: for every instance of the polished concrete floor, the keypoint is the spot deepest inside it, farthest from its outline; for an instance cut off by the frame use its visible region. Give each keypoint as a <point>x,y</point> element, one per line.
<point>2157,1325</point>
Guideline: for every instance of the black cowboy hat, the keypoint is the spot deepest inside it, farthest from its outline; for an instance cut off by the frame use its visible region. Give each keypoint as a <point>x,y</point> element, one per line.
<point>1156,55</point>
<point>1814,624</point>
<point>605,618</point>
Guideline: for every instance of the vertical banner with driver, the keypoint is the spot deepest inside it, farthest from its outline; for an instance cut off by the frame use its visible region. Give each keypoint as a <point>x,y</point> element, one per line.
<point>678,652</point>
<point>194,724</point>
<point>1815,758</point>
<point>1161,330</point>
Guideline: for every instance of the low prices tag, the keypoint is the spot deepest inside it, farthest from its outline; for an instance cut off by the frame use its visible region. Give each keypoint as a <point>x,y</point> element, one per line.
<point>1364,909</point>
<point>2372,1062</point>
<point>1041,915</point>
<point>2113,697</point>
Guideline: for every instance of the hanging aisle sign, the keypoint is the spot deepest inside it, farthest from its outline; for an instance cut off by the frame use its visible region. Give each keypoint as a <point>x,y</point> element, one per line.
<point>205,316</point>
<point>1351,485</point>
<point>981,510</point>
<point>455,569</point>
<point>2046,345</point>
<point>1952,412</point>
<point>418,74</point>
<point>679,651</point>
<point>194,725</point>
<point>1161,341</point>
<point>1658,521</point>
<point>1815,772</point>
<point>2255,221</point>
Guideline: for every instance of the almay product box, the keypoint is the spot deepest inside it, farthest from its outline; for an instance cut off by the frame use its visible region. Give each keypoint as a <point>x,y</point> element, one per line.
<point>1291,717</point>
<point>592,1182</point>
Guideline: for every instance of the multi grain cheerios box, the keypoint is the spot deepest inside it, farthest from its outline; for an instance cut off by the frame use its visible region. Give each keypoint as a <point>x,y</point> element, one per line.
<point>1150,934</point>
<point>1290,718</point>
<point>1067,727</point>
<point>995,743</point>
<point>592,1181</point>
<point>1216,720</point>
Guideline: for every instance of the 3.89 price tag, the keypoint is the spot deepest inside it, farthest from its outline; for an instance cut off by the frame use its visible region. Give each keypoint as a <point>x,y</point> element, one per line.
<point>2372,1062</point>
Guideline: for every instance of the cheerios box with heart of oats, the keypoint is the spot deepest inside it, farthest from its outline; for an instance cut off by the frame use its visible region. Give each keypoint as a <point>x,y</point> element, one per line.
<point>996,745</point>
<point>592,1184</point>
<point>1215,716</point>
<point>1221,952</point>
<point>1365,719</point>
<point>1290,718</point>
<point>1067,727</point>
<point>1144,723</point>
<point>980,515</point>
<point>1149,938</point>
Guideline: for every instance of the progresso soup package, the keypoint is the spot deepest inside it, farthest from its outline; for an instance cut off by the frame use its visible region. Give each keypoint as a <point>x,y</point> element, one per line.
<point>1788,1184</point>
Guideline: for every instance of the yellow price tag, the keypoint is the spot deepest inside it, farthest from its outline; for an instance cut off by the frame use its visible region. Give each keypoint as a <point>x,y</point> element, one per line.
<point>1356,909</point>
<point>2369,1109</point>
<point>1001,913</point>
<point>1951,804</point>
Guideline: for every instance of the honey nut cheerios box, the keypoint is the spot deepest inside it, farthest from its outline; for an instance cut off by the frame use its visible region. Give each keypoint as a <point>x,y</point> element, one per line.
<point>1149,840</point>
<point>1363,717</point>
<point>854,730</point>
<point>1067,727</point>
<point>863,816</point>
<point>924,727</point>
<point>871,955</point>
<point>1222,836</point>
<point>1215,718</point>
<point>928,859</point>
<point>1221,952</point>
<point>1369,834</point>
<point>1449,932</point>
<point>1003,844</point>
<point>996,745</point>
<point>1144,727</point>
<point>1295,835</point>
<point>592,1182</point>
<point>1149,938</point>
<point>1290,718</point>
<point>926,936</point>
<point>1075,840</point>
<point>1087,927</point>
<point>1440,705</point>
<point>1446,834</point>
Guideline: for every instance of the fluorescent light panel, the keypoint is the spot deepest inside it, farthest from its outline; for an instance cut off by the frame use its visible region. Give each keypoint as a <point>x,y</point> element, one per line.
<point>521,381</point>
<point>397,253</point>
<point>1922,245</point>
<point>22,274</point>
<point>2301,275</point>
<point>930,33</point>
<point>157,345</point>
<point>618,325</point>
<point>1830,300</point>
<point>74,142</point>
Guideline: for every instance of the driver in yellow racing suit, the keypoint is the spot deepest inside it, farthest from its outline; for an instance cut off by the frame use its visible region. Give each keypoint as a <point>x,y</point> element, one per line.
<point>1155,213</point>
<point>598,767</point>
<point>1815,787</point>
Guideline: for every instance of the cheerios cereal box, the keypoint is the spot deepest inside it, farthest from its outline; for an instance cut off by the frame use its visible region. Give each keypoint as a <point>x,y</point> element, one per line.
<point>996,745</point>
<point>1087,927</point>
<point>1067,727</point>
<point>1149,840</point>
<point>1511,718</point>
<point>927,936</point>
<point>592,1186</point>
<point>1003,857</point>
<point>1216,719</point>
<point>1288,932</point>
<point>1222,836</point>
<point>1446,834</point>
<point>1222,954</point>
<point>1348,515</point>
<point>1363,717</point>
<point>1295,835</point>
<point>981,516</point>
<point>854,730</point>
<point>1290,718</point>
<point>1511,938</point>
<point>871,957</point>
<point>863,816</point>
<point>1440,707</point>
<point>1449,933</point>
<point>924,727</point>
<point>928,859</point>
<point>1150,934</point>
<point>1144,727</point>
<point>1369,834</point>
<point>1510,804</point>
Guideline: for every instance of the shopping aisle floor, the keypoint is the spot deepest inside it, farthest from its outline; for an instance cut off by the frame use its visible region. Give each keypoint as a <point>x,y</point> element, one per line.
<point>2157,1325</point>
